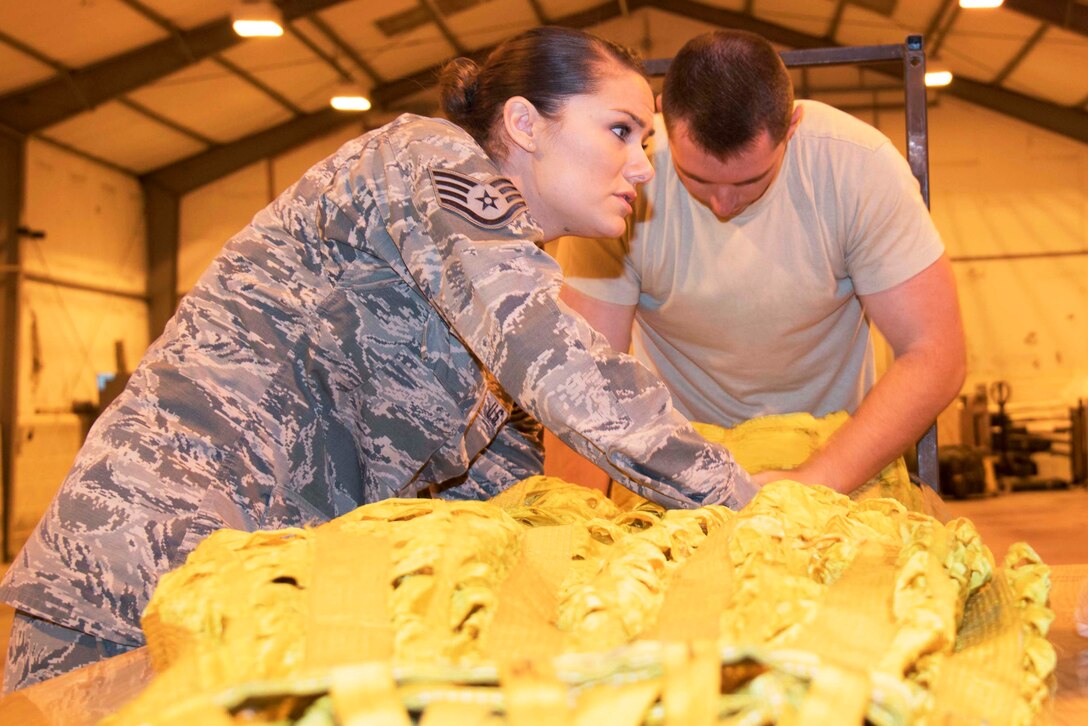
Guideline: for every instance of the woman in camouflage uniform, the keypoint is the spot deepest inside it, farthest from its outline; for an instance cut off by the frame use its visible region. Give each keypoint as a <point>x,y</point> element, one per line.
<point>388,326</point>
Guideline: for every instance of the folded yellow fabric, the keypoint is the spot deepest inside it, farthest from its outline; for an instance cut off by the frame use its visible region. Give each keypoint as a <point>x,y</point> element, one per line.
<point>807,603</point>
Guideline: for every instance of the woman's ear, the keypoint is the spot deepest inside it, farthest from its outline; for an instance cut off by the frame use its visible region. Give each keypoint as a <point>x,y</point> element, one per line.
<point>520,120</point>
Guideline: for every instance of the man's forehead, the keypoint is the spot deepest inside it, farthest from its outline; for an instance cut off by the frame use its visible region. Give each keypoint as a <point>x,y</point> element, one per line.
<point>694,161</point>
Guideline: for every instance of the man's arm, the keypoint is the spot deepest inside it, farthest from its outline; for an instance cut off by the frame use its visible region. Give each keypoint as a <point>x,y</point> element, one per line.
<point>614,322</point>
<point>920,318</point>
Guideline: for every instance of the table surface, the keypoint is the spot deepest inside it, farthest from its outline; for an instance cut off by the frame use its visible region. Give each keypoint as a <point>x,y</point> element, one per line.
<point>91,693</point>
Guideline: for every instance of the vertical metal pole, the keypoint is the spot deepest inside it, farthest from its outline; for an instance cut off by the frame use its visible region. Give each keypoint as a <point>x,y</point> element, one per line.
<point>914,85</point>
<point>161,212</point>
<point>12,169</point>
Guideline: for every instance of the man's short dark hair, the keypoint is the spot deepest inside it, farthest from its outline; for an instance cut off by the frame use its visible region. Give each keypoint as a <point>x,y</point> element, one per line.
<point>726,87</point>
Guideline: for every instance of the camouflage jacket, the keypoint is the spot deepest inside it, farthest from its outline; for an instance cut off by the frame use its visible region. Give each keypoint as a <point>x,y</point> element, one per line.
<point>378,330</point>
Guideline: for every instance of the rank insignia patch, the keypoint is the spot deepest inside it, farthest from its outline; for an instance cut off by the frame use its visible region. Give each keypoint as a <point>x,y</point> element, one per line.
<point>489,205</point>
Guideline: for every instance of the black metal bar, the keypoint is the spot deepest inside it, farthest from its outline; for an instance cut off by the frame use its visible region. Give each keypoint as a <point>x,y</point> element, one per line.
<point>1019,256</point>
<point>806,57</point>
<point>12,171</point>
<point>82,286</point>
<point>914,89</point>
<point>844,55</point>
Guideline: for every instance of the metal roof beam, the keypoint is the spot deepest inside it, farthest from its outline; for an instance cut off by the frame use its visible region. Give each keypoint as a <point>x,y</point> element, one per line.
<point>342,46</point>
<point>538,12</point>
<point>260,85</point>
<point>731,19</point>
<point>387,94</point>
<point>53,101</point>
<point>836,20</point>
<point>1067,14</point>
<point>437,19</point>
<point>191,173</point>
<point>1070,122</point>
<point>1021,54</point>
<point>196,171</point>
<point>317,50</point>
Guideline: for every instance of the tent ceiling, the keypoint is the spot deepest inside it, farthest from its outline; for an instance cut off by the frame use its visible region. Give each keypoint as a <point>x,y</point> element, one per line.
<point>164,87</point>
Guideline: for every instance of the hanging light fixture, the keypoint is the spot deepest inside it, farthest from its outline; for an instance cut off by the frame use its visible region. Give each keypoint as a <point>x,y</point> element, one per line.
<point>256,19</point>
<point>347,96</point>
<point>938,78</point>
<point>973,4</point>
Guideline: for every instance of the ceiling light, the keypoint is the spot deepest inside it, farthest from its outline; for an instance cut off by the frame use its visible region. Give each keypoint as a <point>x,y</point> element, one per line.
<point>972,4</point>
<point>937,79</point>
<point>256,19</point>
<point>349,97</point>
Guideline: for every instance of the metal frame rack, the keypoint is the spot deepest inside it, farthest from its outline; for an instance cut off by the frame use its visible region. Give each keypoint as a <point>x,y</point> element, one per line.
<point>912,58</point>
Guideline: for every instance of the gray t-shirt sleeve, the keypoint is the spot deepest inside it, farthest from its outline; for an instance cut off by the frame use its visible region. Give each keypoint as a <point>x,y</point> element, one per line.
<point>891,236</point>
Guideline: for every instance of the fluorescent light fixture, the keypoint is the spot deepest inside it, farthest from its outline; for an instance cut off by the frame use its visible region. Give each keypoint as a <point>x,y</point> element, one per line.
<point>348,97</point>
<point>937,79</point>
<point>974,4</point>
<point>256,19</point>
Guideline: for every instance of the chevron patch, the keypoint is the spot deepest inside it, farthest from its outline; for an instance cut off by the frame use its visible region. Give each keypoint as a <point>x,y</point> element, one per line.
<point>488,205</point>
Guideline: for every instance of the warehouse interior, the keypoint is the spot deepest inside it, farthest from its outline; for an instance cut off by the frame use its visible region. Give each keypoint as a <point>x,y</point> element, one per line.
<point>137,136</point>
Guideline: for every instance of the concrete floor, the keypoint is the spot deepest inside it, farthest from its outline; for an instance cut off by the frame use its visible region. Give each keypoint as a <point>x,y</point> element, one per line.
<point>1054,523</point>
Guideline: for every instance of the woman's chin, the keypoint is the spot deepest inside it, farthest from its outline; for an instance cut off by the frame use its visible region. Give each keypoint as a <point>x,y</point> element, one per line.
<point>610,228</point>
<point>599,228</point>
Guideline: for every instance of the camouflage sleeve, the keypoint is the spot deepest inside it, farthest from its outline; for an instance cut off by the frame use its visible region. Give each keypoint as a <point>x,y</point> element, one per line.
<point>514,454</point>
<point>469,243</point>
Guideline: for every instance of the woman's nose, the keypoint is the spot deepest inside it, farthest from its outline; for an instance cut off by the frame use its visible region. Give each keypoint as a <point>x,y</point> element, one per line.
<point>641,170</point>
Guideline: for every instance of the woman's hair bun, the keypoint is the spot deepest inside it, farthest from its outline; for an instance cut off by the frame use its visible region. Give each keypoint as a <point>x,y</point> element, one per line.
<point>458,82</point>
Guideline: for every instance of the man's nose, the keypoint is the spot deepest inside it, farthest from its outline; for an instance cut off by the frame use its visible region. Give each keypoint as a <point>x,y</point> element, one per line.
<point>722,202</point>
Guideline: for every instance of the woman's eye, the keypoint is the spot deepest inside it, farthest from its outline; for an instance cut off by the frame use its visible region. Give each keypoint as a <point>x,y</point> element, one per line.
<point>622,130</point>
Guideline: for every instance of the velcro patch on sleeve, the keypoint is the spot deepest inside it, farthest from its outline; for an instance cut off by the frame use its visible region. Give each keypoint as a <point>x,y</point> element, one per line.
<point>488,205</point>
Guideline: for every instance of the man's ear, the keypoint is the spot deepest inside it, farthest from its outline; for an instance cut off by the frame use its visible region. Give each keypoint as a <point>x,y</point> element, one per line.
<point>795,120</point>
<point>657,103</point>
<point>520,120</point>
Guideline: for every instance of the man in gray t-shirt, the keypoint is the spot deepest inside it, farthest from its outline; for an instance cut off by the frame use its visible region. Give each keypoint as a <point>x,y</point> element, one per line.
<point>770,237</point>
